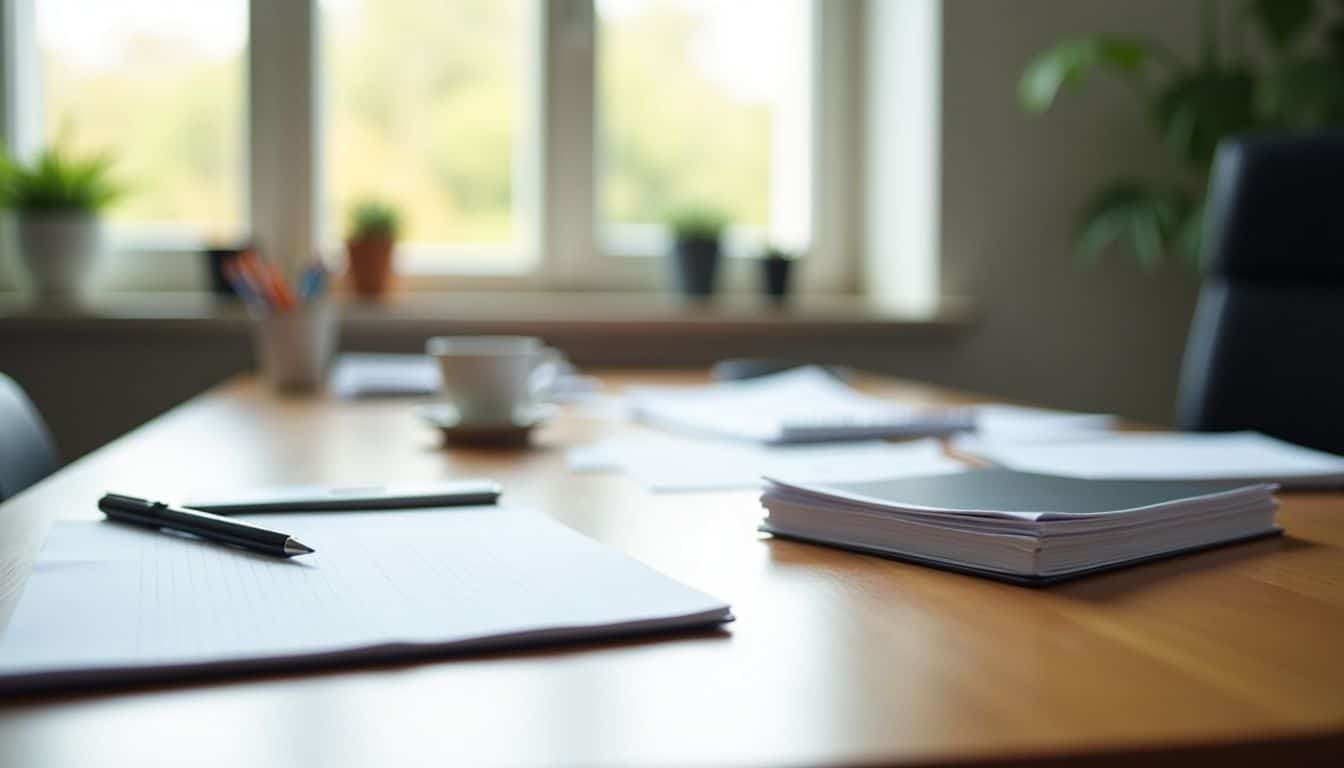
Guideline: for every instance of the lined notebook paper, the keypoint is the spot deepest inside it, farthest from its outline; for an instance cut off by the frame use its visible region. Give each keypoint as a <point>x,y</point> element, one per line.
<point>108,602</point>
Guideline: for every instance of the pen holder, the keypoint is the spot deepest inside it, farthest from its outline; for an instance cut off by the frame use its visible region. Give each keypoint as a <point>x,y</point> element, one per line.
<point>293,348</point>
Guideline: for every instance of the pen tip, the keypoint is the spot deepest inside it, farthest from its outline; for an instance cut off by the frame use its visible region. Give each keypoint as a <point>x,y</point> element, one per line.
<point>295,547</point>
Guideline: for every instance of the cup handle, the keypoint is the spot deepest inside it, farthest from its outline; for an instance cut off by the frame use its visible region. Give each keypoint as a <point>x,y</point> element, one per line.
<point>546,372</point>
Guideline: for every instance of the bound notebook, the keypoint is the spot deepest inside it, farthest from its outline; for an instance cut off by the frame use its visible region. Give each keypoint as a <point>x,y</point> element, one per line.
<point>1020,527</point>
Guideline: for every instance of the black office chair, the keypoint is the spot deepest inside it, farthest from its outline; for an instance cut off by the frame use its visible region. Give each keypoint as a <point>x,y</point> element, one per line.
<point>1266,348</point>
<point>26,451</point>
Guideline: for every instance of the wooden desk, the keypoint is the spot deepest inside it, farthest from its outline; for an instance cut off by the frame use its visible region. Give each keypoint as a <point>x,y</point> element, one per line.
<point>1234,655</point>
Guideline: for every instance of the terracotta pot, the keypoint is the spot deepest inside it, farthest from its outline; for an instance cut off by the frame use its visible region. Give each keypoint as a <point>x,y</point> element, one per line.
<point>370,264</point>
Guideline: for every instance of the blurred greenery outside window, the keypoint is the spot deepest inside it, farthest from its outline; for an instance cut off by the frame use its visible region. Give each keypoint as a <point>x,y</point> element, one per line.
<point>428,108</point>
<point>431,105</point>
<point>161,85</point>
<point>704,103</point>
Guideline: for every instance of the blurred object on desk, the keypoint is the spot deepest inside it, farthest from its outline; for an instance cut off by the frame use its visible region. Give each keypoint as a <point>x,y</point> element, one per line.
<point>294,331</point>
<point>798,406</point>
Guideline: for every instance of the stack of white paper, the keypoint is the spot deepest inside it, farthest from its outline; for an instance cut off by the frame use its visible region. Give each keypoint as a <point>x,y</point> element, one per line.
<point>801,405</point>
<point>113,603</point>
<point>1018,526</point>
<point>1234,456</point>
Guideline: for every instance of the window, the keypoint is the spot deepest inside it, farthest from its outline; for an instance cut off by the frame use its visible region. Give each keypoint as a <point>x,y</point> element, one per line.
<point>528,143</point>
<point>705,103</point>
<point>161,85</point>
<point>427,107</point>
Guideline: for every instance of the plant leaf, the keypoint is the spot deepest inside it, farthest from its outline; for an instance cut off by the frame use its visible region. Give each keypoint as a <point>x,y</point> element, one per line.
<point>59,178</point>
<point>1303,92</point>
<point>1071,62</point>
<point>1148,218</point>
<point>1190,235</point>
<point>1198,110</point>
<point>1282,22</point>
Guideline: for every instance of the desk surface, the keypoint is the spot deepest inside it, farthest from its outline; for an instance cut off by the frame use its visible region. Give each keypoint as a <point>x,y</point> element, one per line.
<point>1236,653</point>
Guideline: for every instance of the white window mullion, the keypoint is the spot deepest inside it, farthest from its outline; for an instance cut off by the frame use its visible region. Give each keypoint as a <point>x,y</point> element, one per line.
<point>21,67</point>
<point>284,159</point>
<point>831,264</point>
<point>568,175</point>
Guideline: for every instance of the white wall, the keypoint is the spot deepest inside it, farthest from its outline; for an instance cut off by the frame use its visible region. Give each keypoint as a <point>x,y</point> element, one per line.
<point>1050,331</point>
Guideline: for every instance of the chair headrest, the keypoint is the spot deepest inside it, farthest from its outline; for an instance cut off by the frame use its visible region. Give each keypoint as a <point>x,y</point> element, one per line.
<point>1276,210</point>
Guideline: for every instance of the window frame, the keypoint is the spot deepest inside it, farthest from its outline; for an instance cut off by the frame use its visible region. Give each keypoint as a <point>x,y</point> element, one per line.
<point>283,175</point>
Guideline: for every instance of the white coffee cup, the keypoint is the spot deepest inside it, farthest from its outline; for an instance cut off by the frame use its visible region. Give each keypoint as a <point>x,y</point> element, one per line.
<point>494,379</point>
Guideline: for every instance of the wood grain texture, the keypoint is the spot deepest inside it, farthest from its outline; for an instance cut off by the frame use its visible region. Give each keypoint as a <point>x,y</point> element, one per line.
<point>1232,655</point>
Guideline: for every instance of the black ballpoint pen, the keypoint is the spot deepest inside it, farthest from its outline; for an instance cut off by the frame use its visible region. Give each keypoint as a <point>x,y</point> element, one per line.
<point>129,509</point>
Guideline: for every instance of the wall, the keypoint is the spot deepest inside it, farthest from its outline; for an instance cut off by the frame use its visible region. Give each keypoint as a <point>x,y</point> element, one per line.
<point>1107,339</point>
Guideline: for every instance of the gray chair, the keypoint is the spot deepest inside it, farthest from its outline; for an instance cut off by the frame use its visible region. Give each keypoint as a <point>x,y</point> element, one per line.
<point>1266,348</point>
<point>26,450</point>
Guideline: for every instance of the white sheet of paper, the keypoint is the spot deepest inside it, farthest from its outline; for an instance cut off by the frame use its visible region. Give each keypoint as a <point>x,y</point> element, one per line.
<point>1022,423</point>
<point>675,464</point>
<point>109,601</point>
<point>1165,456</point>
<point>358,374</point>
<point>799,405</point>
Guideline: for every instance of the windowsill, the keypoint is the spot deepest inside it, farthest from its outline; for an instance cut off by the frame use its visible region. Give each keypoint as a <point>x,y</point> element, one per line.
<point>622,314</point>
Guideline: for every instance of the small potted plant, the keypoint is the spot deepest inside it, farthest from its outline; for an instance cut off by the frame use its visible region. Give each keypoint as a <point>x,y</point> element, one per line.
<point>373,235</point>
<point>57,200</point>
<point>775,269</point>
<point>696,247</point>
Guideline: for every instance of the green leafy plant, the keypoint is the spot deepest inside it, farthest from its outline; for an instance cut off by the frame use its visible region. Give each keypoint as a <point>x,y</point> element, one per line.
<point>697,222</point>
<point>374,219</point>
<point>59,179</point>
<point>1295,83</point>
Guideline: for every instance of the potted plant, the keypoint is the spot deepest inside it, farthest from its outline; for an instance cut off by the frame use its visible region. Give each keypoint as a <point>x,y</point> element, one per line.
<point>775,269</point>
<point>696,247</point>
<point>1290,78</point>
<point>57,200</point>
<point>373,235</point>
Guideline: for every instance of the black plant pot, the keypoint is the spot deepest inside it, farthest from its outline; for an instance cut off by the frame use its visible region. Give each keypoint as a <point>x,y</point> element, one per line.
<point>696,260</point>
<point>775,277</point>
<point>215,259</point>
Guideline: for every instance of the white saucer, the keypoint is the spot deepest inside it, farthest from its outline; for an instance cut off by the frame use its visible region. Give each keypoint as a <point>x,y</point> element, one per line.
<point>445,417</point>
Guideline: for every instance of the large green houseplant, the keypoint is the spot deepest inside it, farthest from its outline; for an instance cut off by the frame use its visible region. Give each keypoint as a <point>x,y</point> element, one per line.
<point>57,200</point>
<point>1280,68</point>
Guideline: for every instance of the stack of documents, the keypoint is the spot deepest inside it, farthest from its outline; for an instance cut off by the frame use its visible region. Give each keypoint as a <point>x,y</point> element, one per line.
<point>1232,456</point>
<point>802,405</point>
<point>1016,526</point>
<point>108,603</point>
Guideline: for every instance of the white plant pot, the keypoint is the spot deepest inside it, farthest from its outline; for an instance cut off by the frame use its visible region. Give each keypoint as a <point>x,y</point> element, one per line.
<point>60,250</point>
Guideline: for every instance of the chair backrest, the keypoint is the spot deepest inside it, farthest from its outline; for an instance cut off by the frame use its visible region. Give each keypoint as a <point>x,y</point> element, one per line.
<point>1266,348</point>
<point>26,450</point>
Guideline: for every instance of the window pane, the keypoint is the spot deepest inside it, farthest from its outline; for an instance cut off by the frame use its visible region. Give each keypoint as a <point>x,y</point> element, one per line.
<point>426,105</point>
<point>706,103</point>
<point>161,85</point>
